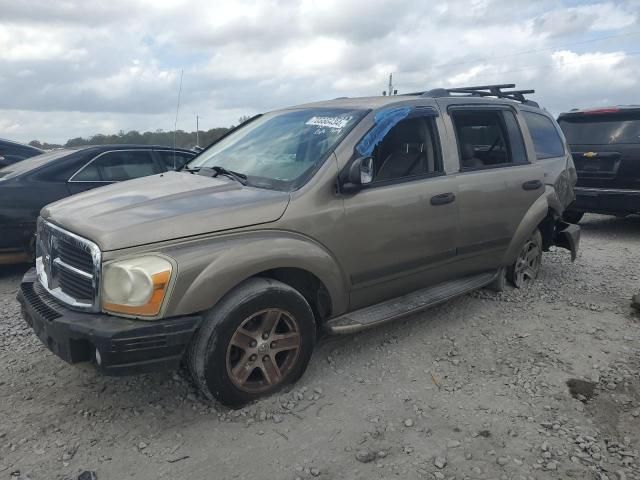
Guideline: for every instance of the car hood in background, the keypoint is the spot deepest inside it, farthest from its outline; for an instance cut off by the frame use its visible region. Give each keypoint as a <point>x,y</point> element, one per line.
<point>164,207</point>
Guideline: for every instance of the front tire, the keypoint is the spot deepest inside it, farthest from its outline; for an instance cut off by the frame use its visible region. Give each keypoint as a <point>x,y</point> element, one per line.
<point>527,266</point>
<point>257,339</point>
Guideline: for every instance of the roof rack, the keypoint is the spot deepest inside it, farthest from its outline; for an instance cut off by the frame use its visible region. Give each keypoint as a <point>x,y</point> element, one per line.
<point>483,91</point>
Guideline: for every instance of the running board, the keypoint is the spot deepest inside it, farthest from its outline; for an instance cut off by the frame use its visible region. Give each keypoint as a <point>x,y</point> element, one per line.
<point>408,304</point>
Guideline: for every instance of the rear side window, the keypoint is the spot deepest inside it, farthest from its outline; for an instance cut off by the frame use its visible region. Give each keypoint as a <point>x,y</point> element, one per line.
<point>546,140</point>
<point>483,139</point>
<point>117,167</point>
<point>601,129</point>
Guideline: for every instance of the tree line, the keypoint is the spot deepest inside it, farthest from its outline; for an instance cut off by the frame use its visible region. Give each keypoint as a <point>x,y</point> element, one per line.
<point>133,137</point>
<point>202,138</point>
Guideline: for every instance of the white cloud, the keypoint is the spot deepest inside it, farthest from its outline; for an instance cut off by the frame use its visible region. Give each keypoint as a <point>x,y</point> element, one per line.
<point>75,68</point>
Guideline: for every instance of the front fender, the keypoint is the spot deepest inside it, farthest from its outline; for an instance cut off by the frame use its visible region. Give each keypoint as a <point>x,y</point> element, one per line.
<point>210,268</point>
<point>536,213</point>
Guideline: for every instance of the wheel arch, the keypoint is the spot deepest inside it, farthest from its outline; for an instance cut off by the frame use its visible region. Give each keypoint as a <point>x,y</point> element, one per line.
<point>293,259</point>
<point>530,222</point>
<point>308,285</point>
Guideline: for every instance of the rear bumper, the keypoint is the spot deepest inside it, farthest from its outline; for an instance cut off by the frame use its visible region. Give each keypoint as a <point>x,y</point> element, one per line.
<point>125,346</point>
<point>606,201</point>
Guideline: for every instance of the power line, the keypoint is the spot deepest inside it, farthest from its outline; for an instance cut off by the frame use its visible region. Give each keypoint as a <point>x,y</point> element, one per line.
<point>551,65</point>
<point>529,52</point>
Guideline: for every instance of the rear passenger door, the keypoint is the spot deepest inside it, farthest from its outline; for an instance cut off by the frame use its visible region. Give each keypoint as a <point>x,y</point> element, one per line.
<point>553,156</point>
<point>496,183</point>
<point>113,166</point>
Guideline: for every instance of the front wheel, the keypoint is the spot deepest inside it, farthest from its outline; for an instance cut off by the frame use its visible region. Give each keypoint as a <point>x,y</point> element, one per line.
<point>256,340</point>
<point>526,267</point>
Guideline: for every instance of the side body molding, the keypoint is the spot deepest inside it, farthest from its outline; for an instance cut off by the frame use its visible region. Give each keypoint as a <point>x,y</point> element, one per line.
<point>209,268</point>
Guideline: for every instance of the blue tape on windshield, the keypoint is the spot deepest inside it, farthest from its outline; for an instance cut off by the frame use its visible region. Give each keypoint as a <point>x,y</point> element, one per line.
<point>384,121</point>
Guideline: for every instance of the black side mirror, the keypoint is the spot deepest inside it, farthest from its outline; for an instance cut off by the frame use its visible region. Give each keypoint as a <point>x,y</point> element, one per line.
<point>359,173</point>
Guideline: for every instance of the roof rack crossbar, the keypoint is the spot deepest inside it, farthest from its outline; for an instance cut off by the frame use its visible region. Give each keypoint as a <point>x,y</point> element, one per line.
<point>495,88</point>
<point>484,91</point>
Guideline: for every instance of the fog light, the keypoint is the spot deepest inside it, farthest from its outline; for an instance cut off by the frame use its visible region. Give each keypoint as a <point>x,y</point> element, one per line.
<point>98,357</point>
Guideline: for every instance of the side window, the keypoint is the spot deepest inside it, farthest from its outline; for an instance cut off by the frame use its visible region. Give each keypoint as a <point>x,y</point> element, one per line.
<point>482,138</point>
<point>117,166</point>
<point>409,149</point>
<point>167,159</point>
<point>546,139</point>
<point>518,150</point>
<point>89,173</point>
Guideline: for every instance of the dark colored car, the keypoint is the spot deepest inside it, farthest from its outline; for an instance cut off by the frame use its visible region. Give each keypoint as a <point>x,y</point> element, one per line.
<point>29,185</point>
<point>605,143</point>
<point>12,152</point>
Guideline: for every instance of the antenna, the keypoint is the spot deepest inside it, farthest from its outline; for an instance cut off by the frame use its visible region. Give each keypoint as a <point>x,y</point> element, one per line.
<point>175,124</point>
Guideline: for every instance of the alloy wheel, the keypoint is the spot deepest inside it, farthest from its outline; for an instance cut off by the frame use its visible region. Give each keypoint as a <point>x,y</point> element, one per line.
<point>527,265</point>
<point>263,350</point>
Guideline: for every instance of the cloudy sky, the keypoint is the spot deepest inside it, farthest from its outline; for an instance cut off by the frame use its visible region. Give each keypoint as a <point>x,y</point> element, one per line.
<point>73,68</point>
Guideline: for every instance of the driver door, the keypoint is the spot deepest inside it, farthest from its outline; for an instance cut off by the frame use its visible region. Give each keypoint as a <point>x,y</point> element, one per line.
<point>401,228</point>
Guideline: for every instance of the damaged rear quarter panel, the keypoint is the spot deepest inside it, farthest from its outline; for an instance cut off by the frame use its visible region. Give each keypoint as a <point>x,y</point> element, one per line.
<point>560,178</point>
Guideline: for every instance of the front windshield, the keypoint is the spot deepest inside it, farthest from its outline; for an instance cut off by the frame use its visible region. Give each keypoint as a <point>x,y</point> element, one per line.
<point>279,150</point>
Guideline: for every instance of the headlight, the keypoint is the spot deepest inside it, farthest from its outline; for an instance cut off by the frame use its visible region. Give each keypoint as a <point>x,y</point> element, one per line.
<point>136,286</point>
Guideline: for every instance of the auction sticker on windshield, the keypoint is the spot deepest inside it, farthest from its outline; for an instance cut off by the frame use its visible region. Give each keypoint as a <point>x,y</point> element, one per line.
<point>337,123</point>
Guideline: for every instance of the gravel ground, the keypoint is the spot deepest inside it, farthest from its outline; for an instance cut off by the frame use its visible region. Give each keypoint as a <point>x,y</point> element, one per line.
<point>530,384</point>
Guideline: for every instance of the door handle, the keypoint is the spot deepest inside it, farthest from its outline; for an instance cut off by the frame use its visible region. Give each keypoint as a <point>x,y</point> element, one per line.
<point>443,199</point>
<point>532,185</point>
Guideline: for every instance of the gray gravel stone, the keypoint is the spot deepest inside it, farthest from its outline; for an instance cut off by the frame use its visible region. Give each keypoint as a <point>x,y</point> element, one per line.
<point>365,455</point>
<point>440,462</point>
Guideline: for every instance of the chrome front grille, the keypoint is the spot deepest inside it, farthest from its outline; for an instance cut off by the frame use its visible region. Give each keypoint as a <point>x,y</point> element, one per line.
<point>68,266</point>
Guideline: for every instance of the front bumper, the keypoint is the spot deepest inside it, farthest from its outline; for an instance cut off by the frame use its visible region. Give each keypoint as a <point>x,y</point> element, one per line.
<point>606,200</point>
<point>125,346</point>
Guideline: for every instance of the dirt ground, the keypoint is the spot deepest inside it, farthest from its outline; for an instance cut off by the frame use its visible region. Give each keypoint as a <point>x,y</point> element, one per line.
<point>476,388</point>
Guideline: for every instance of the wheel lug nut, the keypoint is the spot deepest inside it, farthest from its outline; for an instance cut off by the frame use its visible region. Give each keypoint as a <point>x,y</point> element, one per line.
<point>253,357</point>
<point>265,358</point>
<point>273,344</point>
<point>253,344</point>
<point>265,335</point>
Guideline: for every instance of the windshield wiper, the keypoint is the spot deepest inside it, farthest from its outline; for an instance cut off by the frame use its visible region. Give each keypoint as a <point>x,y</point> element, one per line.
<point>217,171</point>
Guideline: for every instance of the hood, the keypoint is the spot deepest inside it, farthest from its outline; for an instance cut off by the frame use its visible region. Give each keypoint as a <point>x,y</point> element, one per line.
<point>164,207</point>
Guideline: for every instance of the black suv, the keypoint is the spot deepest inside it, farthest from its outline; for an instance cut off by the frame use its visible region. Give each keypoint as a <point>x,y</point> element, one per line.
<point>605,143</point>
<point>12,152</point>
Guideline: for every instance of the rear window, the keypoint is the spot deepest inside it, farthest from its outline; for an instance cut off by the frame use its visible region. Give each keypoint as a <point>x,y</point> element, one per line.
<point>33,163</point>
<point>601,129</point>
<point>546,140</point>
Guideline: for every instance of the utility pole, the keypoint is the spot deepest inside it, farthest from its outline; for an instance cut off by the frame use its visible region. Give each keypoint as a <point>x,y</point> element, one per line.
<point>197,131</point>
<point>391,91</point>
